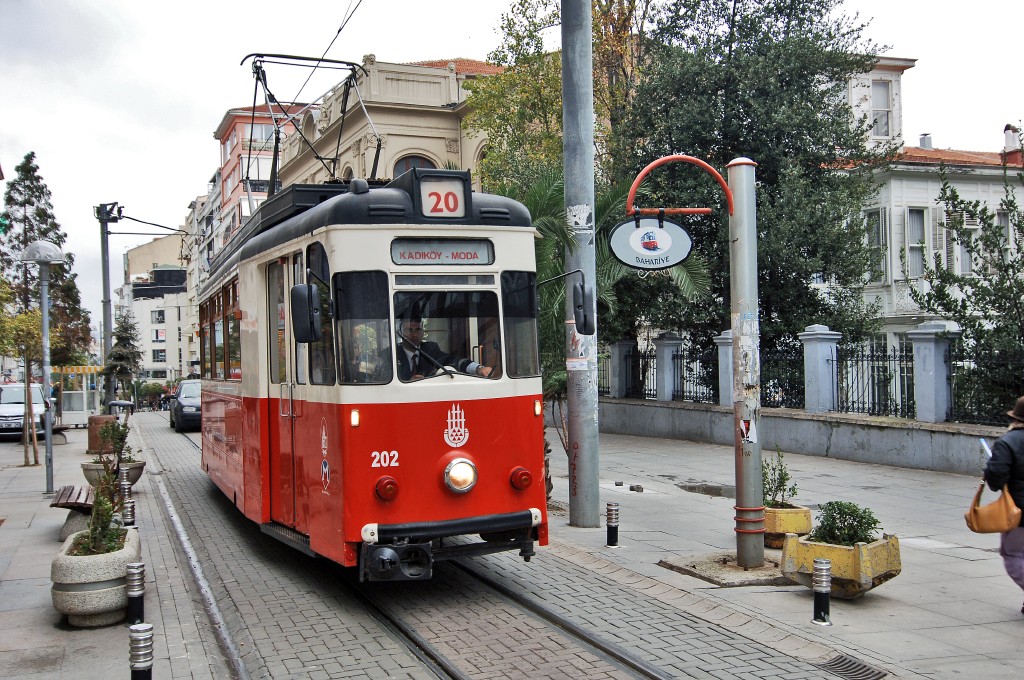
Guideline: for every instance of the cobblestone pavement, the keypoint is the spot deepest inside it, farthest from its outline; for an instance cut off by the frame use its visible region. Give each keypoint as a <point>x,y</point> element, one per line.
<point>287,616</point>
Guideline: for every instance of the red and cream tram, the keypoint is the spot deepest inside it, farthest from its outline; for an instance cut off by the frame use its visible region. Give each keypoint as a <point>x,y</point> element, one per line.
<point>371,379</point>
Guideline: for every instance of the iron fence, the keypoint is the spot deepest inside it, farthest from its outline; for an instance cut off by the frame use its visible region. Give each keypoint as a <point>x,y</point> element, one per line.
<point>695,375</point>
<point>983,383</point>
<point>604,375</point>
<point>641,374</point>
<point>782,378</point>
<point>875,382</point>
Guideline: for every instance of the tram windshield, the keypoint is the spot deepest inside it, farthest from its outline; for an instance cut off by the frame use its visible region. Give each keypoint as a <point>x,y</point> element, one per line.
<point>434,333</point>
<point>440,332</point>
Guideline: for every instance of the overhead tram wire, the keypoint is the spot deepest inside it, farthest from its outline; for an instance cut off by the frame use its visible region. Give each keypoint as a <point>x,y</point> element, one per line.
<point>349,12</point>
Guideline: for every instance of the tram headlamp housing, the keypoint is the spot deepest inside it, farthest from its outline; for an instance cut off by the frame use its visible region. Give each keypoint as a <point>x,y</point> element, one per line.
<point>460,475</point>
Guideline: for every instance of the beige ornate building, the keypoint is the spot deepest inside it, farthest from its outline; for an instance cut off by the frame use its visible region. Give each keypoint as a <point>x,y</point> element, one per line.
<point>412,113</point>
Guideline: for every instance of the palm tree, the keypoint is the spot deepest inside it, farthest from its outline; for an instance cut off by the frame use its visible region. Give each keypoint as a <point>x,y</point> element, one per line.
<point>546,203</point>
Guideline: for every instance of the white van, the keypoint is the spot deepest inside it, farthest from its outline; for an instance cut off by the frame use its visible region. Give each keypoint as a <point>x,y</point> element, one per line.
<point>12,407</point>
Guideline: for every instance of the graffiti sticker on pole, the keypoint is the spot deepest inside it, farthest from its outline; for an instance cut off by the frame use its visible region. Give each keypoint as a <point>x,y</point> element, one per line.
<point>650,244</point>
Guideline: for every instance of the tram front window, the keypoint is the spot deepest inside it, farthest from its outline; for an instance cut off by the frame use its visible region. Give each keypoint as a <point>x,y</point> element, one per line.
<point>364,328</point>
<point>442,332</point>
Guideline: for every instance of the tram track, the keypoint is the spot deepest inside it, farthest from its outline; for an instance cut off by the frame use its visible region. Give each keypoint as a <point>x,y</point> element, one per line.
<point>468,625</point>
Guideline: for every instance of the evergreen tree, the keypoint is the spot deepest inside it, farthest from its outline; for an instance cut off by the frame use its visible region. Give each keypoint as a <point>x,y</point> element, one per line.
<point>125,359</point>
<point>768,81</point>
<point>28,213</point>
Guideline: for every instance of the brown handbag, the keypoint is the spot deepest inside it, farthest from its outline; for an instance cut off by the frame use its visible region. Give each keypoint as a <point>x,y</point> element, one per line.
<point>1000,515</point>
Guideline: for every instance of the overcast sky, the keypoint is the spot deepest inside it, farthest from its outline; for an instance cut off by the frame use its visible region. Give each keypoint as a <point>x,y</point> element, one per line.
<point>119,98</point>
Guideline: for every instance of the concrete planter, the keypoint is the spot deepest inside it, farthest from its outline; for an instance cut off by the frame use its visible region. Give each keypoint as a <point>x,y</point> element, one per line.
<point>92,590</point>
<point>778,522</point>
<point>94,471</point>
<point>855,569</point>
<point>76,521</point>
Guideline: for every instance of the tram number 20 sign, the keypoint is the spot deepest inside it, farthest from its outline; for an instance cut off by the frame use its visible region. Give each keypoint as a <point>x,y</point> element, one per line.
<point>443,197</point>
<point>650,243</point>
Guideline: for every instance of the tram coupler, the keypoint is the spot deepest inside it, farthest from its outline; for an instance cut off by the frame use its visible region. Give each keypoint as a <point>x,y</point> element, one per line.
<point>395,562</point>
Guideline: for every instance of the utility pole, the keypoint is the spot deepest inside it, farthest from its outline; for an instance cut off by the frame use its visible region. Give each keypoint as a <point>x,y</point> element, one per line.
<point>578,170</point>
<point>746,352</point>
<point>106,213</point>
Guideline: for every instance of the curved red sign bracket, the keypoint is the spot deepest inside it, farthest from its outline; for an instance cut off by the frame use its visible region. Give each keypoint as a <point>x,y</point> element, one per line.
<point>631,210</point>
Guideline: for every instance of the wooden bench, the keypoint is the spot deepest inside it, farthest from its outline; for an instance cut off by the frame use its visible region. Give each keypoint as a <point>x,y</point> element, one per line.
<point>73,498</point>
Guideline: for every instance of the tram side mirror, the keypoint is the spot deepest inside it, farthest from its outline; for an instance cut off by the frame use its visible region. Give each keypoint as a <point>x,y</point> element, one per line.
<point>582,303</point>
<point>306,313</point>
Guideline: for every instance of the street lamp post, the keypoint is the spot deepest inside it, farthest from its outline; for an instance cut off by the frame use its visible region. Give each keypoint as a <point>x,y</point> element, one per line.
<point>45,254</point>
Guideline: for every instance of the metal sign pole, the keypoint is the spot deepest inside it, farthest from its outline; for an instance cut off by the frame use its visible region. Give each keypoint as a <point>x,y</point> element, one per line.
<point>746,365</point>
<point>581,350</point>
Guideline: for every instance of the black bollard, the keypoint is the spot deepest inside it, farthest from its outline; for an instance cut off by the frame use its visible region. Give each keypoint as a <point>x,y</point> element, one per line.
<point>612,520</point>
<point>821,582</point>
<point>140,650</point>
<point>136,591</point>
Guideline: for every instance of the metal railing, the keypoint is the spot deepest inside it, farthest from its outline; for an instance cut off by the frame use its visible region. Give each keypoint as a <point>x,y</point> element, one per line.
<point>641,374</point>
<point>782,378</point>
<point>983,383</point>
<point>695,375</point>
<point>604,375</point>
<point>874,382</point>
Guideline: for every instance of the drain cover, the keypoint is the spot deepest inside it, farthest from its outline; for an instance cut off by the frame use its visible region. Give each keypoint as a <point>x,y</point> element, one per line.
<point>854,669</point>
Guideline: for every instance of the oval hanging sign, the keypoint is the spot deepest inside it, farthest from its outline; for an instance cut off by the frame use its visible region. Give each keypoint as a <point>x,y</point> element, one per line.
<point>650,245</point>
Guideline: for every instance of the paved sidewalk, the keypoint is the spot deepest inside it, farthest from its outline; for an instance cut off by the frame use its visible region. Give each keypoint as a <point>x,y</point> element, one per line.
<point>34,641</point>
<point>952,612</point>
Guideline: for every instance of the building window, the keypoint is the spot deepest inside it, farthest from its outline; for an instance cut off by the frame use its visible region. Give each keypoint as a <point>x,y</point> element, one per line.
<point>159,375</point>
<point>159,335</point>
<point>159,356</point>
<point>409,162</point>
<point>881,107</point>
<point>877,241</point>
<point>915,242</point>
<point>157,315</point>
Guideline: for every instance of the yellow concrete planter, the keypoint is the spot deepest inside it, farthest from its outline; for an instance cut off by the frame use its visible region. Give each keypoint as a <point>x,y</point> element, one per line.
<point>778,522</point>
<point>855,569</point>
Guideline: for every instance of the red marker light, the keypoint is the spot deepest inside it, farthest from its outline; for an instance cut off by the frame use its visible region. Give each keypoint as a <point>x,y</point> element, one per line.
<point>521,478</point>
<point>386,488</point>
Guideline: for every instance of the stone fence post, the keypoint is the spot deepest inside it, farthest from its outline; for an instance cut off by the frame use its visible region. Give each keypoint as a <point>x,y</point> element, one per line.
<point>725,382</point>
<point>664,346</point>
<point>931,373</point>
<point>618,375</point>
<point>820,369</point>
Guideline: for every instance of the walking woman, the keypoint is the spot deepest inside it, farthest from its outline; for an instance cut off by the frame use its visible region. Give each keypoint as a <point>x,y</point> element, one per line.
<point>1006,466</point>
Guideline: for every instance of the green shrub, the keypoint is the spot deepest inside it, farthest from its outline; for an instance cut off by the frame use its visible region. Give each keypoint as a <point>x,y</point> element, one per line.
<point>774,480</point>
<point>104,535</point>
<point>842,523</point>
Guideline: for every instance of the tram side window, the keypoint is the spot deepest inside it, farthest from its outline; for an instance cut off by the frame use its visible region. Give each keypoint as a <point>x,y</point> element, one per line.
<point>204,340</point>
<point>218,341</point>
<point>301,348</point>
<point>519,298</point>
<point>234,336</point>
<point>364,329</point>
<point>322,369</point>
<point>276,320</point>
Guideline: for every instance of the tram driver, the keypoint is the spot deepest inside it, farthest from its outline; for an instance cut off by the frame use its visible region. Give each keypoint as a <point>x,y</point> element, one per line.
<point>418,359</point>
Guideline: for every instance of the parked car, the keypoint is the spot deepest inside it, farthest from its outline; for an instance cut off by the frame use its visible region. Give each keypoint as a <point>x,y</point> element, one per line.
<point>186,410</point>
<point>12,407</point>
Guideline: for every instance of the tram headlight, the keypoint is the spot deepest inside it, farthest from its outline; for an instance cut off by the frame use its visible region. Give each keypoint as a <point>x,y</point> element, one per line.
<point>521,478</point>
<point>460,475</point>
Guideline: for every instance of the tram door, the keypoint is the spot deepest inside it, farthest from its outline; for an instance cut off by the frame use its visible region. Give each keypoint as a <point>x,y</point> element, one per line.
<point>287,368</point>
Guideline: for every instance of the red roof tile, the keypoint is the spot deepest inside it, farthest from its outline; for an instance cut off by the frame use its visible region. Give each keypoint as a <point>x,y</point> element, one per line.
<point>463,66</point>
<point>913,154</point>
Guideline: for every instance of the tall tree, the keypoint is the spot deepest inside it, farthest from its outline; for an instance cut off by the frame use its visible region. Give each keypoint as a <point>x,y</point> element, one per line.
<point>520,109</point>
<point>125,359</point>
<point>29,214</point>
<point>766,80</point>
